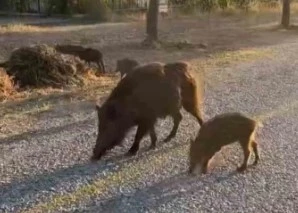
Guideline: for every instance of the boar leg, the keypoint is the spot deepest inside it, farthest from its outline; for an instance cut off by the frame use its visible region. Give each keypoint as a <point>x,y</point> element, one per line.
<point>246,151</point>
<point>205,166</point>
<point>141,132</point>
<point>256,151</point>
<point>193,109</point>
<point>191,168</point>
<point>190,102</point>
<point>153,138</point>
<point>177,117</point>
<point>101,66</point>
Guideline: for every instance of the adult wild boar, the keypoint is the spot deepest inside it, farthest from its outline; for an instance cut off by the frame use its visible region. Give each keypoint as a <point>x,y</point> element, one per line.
<point>139,99</point>
<point>178,72</point>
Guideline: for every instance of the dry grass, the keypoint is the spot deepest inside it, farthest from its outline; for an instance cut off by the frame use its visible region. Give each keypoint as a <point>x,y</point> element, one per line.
<point>94,85</point>
<point>229,58</point>
<point>22,28</point>
<point>7,88</point>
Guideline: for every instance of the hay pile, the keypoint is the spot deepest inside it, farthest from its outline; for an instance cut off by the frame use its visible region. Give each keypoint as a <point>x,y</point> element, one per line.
<point>41,65</point>
<point>6,85</point>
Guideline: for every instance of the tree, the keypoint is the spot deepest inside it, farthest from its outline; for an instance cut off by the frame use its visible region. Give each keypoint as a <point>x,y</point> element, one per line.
<point>152,22</point>
<point>285,18</point>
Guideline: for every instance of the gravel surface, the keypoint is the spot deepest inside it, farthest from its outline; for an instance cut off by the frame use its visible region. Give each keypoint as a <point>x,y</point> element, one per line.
<point>54,161</point>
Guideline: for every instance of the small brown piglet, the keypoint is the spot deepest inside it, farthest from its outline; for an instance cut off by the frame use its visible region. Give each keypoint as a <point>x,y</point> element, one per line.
<point>222,130</point>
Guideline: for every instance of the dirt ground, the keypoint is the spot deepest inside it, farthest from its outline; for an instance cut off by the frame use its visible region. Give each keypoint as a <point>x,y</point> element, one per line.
<point>242,36</point>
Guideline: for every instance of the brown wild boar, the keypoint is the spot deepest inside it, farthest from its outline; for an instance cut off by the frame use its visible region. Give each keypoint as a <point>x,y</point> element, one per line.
<point>125,65</point>
<point>139,100</point>
<point>178,72</point>
<point>87,54</point>
<point>220,131</point>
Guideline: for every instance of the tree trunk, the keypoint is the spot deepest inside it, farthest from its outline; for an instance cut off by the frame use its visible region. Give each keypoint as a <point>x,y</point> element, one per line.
<point>38,5</point>
<point>285,19</point>
<point>152,21</point>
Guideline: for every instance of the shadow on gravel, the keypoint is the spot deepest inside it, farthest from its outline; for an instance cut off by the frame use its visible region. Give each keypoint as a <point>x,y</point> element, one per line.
<point>44,132</point>
<point>150,198</point>
<point>26,192</point>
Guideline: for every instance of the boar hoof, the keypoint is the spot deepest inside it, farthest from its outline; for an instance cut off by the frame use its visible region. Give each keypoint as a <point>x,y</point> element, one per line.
<point>167,139</point>
<point>93,159</point>
<point>190,172</point>
<point>152,147</point>
<point>241,169</point>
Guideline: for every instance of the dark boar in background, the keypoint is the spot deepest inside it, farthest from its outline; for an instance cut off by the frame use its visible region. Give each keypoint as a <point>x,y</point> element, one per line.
<point>87,54</point>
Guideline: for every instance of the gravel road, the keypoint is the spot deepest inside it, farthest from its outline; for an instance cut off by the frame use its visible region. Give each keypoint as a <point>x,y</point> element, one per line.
<point>51,166</point>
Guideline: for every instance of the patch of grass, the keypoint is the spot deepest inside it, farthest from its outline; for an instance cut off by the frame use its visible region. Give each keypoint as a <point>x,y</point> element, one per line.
<point>38,108</point>
<point>241,55</point>
<point>21,28</point>
<point>228,58</point>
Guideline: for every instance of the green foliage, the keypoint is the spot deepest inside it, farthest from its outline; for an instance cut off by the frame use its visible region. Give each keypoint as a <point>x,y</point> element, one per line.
<point>98,10</point>
<point>189,6</point>
<point>222,4</point>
